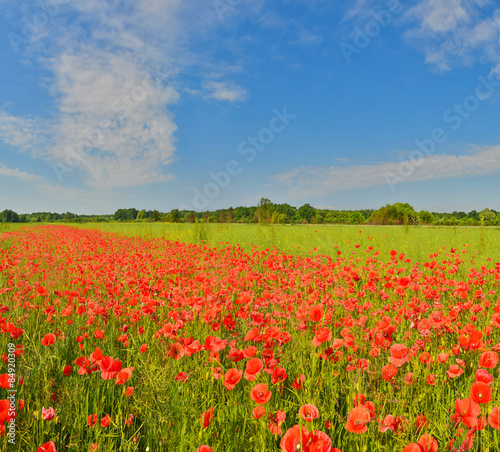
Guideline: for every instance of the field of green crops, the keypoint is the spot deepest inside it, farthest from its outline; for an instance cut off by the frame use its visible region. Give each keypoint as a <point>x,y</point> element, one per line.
<point>416,242</point>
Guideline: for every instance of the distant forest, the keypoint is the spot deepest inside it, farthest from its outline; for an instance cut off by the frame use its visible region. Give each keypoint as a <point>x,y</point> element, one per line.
<point>268,212</point>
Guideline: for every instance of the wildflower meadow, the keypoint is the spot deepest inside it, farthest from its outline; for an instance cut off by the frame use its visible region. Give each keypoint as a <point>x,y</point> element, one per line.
<point>336,339</point>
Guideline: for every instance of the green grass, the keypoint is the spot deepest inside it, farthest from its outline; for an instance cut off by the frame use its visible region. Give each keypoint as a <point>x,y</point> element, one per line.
<point>417,243</point>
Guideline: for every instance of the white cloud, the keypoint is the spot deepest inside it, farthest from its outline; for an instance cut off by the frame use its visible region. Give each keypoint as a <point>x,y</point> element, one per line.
<point>360,10</point>
<point>310,182</point>
<point>111,121</point>
<point>26,134</point>
<point>270,19</point>
<point>455,32</point>
<point>307,38</point>
<point>224,91</point>
<point>21,175</point>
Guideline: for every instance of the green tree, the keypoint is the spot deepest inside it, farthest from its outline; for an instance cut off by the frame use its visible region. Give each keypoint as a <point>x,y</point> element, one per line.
<point>305,213</point>
<point>488,217</point>
<point>425,217</point>
<point>473,214</point>
<point>264,211</point>
<point>173,216</point>
<point>9,216</point>
<point>156,216</point>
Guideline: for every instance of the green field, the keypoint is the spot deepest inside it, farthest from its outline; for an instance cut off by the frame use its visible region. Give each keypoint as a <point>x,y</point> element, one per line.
<point>416,242</point>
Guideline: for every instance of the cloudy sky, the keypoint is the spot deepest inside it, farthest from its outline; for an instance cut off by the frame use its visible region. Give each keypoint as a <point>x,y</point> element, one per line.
<point>204,104</point>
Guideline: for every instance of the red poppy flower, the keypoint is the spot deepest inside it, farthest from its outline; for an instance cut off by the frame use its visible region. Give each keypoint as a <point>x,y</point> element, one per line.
<point>176,351</point>
<point>297,384</point>
<point>319,441</point>
<point>204,449</point>
<point>129,391</point>
<point>124,375</point>
<point>48,414</point>
<point>260,394</point>
<point>276,421</point>
<point>481,424</point>
<point>249,352</point>
<point>488,360</point>
<point>484,376</point>
<point>428,443</point>
<point>480,392</point>
<point>357,420</point>
<point>49,339</point>
<point>92,420</point>
<point>105,421</point>
<point>5,407</point>
<point>431,379</point>
<point>387,423</point>
<point>294,439</point>
<point>412,447</point>
<point>398,351</point>
<point>96,356</point>
<point>5,381</point>
<point>47,447</point>
<point>67,370</point>
<point>109,367</point>
<point>253,367</point>
<point>278,375</point>
<point>466,411</point>
<point>316,313</point>
<point>322,335</point>
<point>206,417</point>
<point>143,348</point>
<point>258,412</point>
<point>389,371</point>
<point>454,371</point>
<point>494,418</point>
<point>231,378</point>
<point>443,357</point>
<point>424,357</point>
<point>252,334</point>
<point>421,422</point>
<point>308,412</point>
<point>182,377</point>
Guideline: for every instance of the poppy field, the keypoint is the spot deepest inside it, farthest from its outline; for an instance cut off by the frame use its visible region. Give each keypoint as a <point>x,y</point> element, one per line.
<point>110,342</point>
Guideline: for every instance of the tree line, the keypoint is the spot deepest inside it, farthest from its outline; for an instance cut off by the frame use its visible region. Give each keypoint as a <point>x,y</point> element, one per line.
<point>267,212</point>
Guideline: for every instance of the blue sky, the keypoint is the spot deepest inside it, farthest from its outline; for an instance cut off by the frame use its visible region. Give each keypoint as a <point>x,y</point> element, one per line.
<point>164,104</point>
